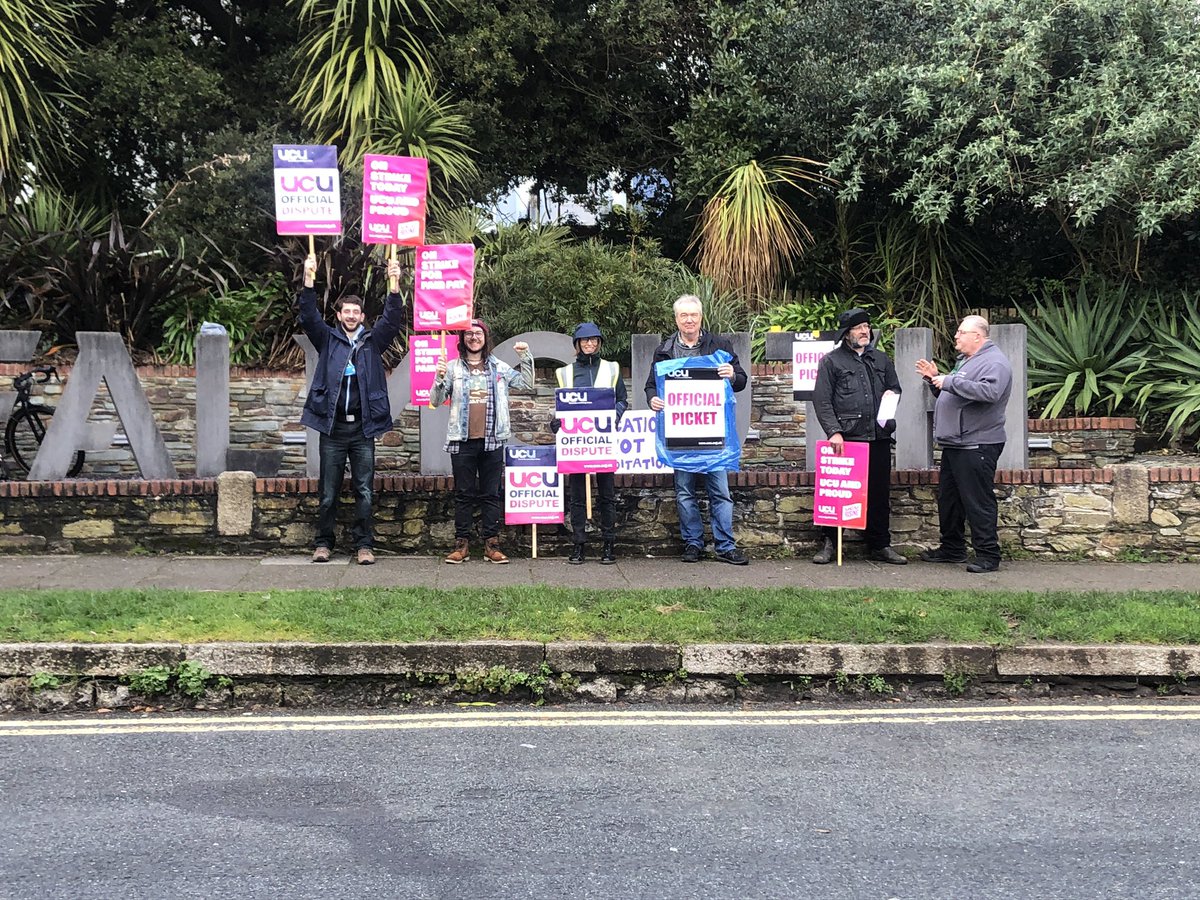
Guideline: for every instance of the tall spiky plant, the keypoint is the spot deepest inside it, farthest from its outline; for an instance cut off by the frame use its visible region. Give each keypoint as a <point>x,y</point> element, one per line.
<point>749,235</point>
<point>37,42</point>
<point>355,54</point>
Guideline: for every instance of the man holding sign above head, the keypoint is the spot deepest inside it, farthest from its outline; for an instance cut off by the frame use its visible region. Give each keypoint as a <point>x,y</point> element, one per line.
<point>590,371</point>
<point>477,384</point>
<point>348,404</point>
<point>699,423</point>
<point>855,400</point>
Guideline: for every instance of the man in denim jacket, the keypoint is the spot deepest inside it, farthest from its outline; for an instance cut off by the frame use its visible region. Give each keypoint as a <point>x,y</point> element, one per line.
<point>968,424</point>
<point>477,384</point>
<point>348,405</point>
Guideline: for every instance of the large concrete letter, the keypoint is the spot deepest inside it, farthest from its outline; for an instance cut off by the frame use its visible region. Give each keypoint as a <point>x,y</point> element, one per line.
<point>15,346</point>
<point>102,355</point>
<point>312,449</point>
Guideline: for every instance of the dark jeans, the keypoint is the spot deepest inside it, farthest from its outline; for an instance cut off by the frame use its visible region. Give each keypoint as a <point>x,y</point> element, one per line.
<point>606,484</point>
<point>966,494</point>
<point>879,497</point>
<point>477,480</point>
<point>346,442</point>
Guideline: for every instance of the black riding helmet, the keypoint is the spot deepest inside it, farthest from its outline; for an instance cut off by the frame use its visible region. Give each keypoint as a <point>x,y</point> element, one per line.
<point>587,330</point>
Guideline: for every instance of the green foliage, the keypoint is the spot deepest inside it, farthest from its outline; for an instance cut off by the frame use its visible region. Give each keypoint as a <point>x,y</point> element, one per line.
<point>1083,351</point>
<point>187,678</point>
<point>555,287</point>
<point>151,681</point>
<point>245,313</point>
<point>956,683</point>
<point>1086,109</point>
<point>1169,385</point>
<point>37,44</point>
<point>504,681</point>
<point>355,55</point>
<point>807,314</point>
<point>43,681</point>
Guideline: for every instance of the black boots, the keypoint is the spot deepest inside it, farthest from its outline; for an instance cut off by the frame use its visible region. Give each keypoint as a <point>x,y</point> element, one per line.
<point>608,557</point>
<point>576,557</point>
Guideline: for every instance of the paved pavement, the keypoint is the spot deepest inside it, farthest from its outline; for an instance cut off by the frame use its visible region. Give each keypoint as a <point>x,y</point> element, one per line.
<point>102,572</point>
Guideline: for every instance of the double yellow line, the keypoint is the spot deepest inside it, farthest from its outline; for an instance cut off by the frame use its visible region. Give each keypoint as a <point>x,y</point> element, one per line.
<point>185,723</point>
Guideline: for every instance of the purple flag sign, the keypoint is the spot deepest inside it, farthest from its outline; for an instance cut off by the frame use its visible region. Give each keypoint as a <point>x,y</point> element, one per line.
<point>308,190</point>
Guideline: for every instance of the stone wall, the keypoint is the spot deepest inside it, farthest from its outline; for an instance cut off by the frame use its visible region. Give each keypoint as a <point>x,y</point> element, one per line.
<point>265,411</point>
<point>1127,511</point>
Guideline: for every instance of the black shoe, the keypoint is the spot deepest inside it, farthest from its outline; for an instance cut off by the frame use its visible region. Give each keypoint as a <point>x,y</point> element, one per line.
<point>691,553</point>
<point>980,566</point>
<point>734,557</point>
<point>576,557</point>
<point>824,556</point>
<point>608,557</point>
<point>888,555</point>
<point>942,556</point>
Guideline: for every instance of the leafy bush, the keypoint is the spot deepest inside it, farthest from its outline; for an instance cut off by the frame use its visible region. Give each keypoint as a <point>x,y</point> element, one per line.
<point>555,287</point>
<point>1169,386</point>
<point>245,313</point>
<point>1083,351</point>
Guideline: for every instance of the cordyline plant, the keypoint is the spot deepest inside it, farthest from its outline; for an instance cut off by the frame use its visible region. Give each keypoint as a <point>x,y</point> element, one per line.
<point>749,235</point>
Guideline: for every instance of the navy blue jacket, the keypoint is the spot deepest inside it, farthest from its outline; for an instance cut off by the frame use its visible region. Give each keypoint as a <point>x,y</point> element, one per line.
<point>332,343</point>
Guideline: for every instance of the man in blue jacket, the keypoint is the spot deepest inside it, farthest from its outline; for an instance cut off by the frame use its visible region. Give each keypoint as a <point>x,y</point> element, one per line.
<point>968,424</point>
<point>348,404</point>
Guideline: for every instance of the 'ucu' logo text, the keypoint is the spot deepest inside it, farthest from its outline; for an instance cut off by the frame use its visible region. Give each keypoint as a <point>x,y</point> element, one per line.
<point>533,479</point>
<point>291,155</point>
<point>585,426</point>
<point>572,397</point>
<point>522,454</point>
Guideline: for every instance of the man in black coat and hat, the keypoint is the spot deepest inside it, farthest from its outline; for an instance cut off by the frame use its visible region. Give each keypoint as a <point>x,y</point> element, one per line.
<point>851,382</point>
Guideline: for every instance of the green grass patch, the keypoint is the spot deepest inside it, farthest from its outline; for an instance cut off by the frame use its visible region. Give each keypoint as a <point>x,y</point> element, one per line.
<point>541,613</point>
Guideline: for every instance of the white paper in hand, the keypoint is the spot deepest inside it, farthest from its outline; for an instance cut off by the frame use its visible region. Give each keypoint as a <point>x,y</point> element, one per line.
<point>887,407</point>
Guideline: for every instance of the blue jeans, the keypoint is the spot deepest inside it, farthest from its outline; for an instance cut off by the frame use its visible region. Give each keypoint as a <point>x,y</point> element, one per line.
<point>346,441</point>
<point>691,526</point>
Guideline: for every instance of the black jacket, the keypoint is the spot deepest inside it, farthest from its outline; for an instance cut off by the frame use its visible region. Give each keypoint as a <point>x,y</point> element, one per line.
<point>334,346</point>
<point>846,396</point>
<point>709,343</point>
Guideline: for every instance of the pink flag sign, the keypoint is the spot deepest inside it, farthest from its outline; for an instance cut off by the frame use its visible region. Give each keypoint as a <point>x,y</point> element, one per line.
<point>394,190</point>
<point>840,499</point>
<point>444,285</point>
<point>423,354</point>
<point>308,191</point>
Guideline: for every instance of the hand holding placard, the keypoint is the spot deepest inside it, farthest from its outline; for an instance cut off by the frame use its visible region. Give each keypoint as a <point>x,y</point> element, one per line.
<point>310,270</point>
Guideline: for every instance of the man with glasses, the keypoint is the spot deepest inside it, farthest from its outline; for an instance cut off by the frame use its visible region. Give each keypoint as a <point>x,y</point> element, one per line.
<point>968,424</point>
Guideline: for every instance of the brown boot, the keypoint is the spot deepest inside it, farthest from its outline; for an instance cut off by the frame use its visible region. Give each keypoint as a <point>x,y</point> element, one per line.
<point>491,551</point>
<point>461,552</point>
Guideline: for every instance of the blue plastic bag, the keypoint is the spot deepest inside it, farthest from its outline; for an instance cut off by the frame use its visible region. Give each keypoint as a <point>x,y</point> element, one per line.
<point>727,458</point>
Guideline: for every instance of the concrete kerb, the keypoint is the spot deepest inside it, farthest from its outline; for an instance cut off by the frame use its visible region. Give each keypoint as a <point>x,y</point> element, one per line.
<point>596,657</point>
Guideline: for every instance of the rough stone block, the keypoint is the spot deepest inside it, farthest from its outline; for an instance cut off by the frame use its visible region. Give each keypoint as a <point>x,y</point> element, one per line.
<point>826,659</point>
<point>86,659</point>
<point>1131,494</point>
<point>1098,660</point>
<point>235,503</point>
<point>600,657</point>
<point>364,659</point>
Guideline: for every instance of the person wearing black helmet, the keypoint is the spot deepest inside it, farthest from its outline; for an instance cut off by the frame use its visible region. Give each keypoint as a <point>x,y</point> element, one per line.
<point>851,381</point>
<point>589,370</point>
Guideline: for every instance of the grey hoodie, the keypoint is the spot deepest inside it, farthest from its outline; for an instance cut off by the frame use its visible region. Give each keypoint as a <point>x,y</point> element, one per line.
<point>970,405</point>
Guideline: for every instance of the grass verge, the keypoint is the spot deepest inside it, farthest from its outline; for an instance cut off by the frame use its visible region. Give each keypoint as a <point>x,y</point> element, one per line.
<point>541,613</point>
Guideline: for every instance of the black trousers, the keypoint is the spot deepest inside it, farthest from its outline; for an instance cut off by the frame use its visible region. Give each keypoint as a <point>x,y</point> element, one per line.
<point>966,495</point>
<point>606,483</point>
<point>478,477</point>
<point>879,497</point>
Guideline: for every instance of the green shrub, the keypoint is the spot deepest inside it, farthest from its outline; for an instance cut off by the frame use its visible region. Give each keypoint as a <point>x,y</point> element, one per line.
<point>1084,351</point>
<point>1169,385</point>
<point>243,313</point>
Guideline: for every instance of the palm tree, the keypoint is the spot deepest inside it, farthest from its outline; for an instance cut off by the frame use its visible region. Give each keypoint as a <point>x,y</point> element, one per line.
<point>355,55</point>
<point>37,41</point>
<point>748,235</point>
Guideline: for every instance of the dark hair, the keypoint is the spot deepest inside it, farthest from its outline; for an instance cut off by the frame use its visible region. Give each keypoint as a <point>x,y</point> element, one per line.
<point>487,339</point>
<point>353,300</point>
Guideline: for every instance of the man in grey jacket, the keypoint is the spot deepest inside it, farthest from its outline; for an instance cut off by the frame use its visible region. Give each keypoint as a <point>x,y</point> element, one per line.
<point>968,424</point>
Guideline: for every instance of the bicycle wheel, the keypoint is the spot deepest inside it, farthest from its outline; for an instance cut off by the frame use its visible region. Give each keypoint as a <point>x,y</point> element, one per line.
<point>23,435</point>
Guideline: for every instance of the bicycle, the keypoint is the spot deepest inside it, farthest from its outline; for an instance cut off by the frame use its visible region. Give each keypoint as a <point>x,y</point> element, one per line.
<point>28,422</point>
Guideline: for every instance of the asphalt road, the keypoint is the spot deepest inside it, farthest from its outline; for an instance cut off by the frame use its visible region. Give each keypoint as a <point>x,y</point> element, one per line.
<point>887,802</point>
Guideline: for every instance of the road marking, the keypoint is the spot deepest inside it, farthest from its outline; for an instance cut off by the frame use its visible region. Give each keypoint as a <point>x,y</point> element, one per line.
<point>595,718</point>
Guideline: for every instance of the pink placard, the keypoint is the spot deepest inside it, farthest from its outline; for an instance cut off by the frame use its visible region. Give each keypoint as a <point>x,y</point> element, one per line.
<point>533,489</point>
<point>840,499</point>
<point>394,190</point>
<point>423,354</point>
<point>445,282</point>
